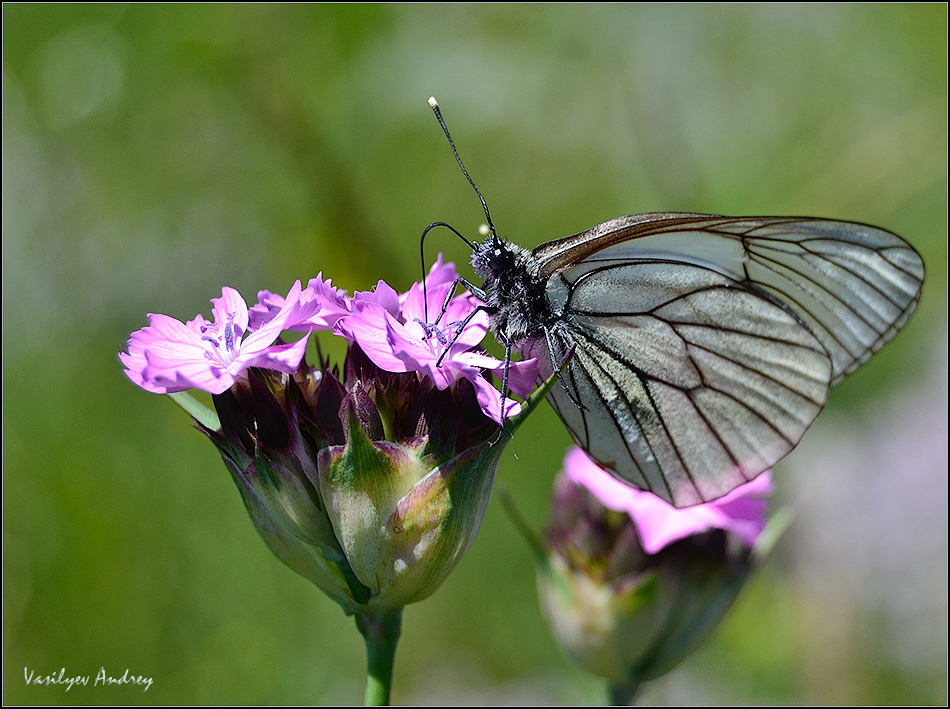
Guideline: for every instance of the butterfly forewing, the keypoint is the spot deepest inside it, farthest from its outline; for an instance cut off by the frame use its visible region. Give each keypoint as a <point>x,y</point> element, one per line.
<point>691,383</point>
<point>853,285</point>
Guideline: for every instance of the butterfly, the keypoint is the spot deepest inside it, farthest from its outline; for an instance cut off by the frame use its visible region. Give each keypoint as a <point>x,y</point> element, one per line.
<point>700,347</point>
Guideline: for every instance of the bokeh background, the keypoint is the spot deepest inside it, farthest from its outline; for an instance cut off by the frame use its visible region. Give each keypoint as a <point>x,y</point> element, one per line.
<point>152,154</point>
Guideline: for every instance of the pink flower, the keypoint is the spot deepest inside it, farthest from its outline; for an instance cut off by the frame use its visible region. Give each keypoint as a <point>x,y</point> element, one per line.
<point>371,478</point>
<point>631,585</point>
<point>333,304</point>
<point>168,356</point>
<point>396,333</point>
<point>658,523</point>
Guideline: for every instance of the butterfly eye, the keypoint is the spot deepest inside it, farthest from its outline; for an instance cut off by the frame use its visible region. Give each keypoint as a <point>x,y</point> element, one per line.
<point>492,258</point>
<point>500,259</point>
<point>495,261</point>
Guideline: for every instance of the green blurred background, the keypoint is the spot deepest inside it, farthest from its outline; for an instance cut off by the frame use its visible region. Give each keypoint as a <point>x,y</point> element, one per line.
<point>152,154</point>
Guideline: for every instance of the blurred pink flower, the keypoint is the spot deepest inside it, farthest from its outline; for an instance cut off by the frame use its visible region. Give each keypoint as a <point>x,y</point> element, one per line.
<point>630,584</point>
<point>658,523</point>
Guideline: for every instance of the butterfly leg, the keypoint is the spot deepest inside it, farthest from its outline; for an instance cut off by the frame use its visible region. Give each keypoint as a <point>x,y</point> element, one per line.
<point>461,327</point>
<point>548,338</point>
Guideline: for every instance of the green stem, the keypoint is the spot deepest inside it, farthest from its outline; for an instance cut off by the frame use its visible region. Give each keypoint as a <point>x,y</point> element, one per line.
<point>381,633</point>
<point>623,695</point>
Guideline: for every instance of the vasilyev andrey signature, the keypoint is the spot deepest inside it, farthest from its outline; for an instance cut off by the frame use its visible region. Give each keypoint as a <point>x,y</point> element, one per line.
<point>102,679</point>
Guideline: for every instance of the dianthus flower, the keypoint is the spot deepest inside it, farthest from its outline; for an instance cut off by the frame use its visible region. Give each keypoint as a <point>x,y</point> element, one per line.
<point>168,356</point>
<point>629,583</point>
<point>370,479</point>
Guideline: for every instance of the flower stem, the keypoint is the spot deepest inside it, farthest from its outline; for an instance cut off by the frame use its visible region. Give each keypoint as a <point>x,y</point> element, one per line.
<point>381,633</point>
<point>623,694</point>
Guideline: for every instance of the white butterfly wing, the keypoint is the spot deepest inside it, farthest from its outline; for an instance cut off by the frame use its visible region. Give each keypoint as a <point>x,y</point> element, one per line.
<point>853,285</point>
<point>704,346</point>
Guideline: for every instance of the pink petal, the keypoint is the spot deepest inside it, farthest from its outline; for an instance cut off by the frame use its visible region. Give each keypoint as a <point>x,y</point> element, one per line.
<point>376,331</point>
<point>282,358</point>
<point>383,296</point>
<point>489,401</point>
<point>659,524</point>
<point>230,307</point>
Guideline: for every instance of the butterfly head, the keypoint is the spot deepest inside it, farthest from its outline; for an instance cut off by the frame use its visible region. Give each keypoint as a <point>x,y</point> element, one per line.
<point>493,257</point>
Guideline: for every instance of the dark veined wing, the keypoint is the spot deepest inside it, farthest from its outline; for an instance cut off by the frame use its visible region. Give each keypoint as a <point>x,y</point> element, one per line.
<point>691,384</point>
<point>704,346</point>
<point>853,285</point>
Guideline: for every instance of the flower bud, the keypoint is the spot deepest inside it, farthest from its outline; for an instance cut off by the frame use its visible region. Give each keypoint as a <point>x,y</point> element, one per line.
<point>403,518</point>
<point>632,585</point>
<point>375,502</point>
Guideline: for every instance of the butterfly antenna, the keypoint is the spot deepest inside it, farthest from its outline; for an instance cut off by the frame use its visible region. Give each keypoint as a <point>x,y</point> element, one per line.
<point>438,114</point>
<point>422,254</point>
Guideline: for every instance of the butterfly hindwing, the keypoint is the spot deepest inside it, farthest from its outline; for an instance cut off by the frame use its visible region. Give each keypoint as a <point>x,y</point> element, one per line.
<point>690,383</point>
